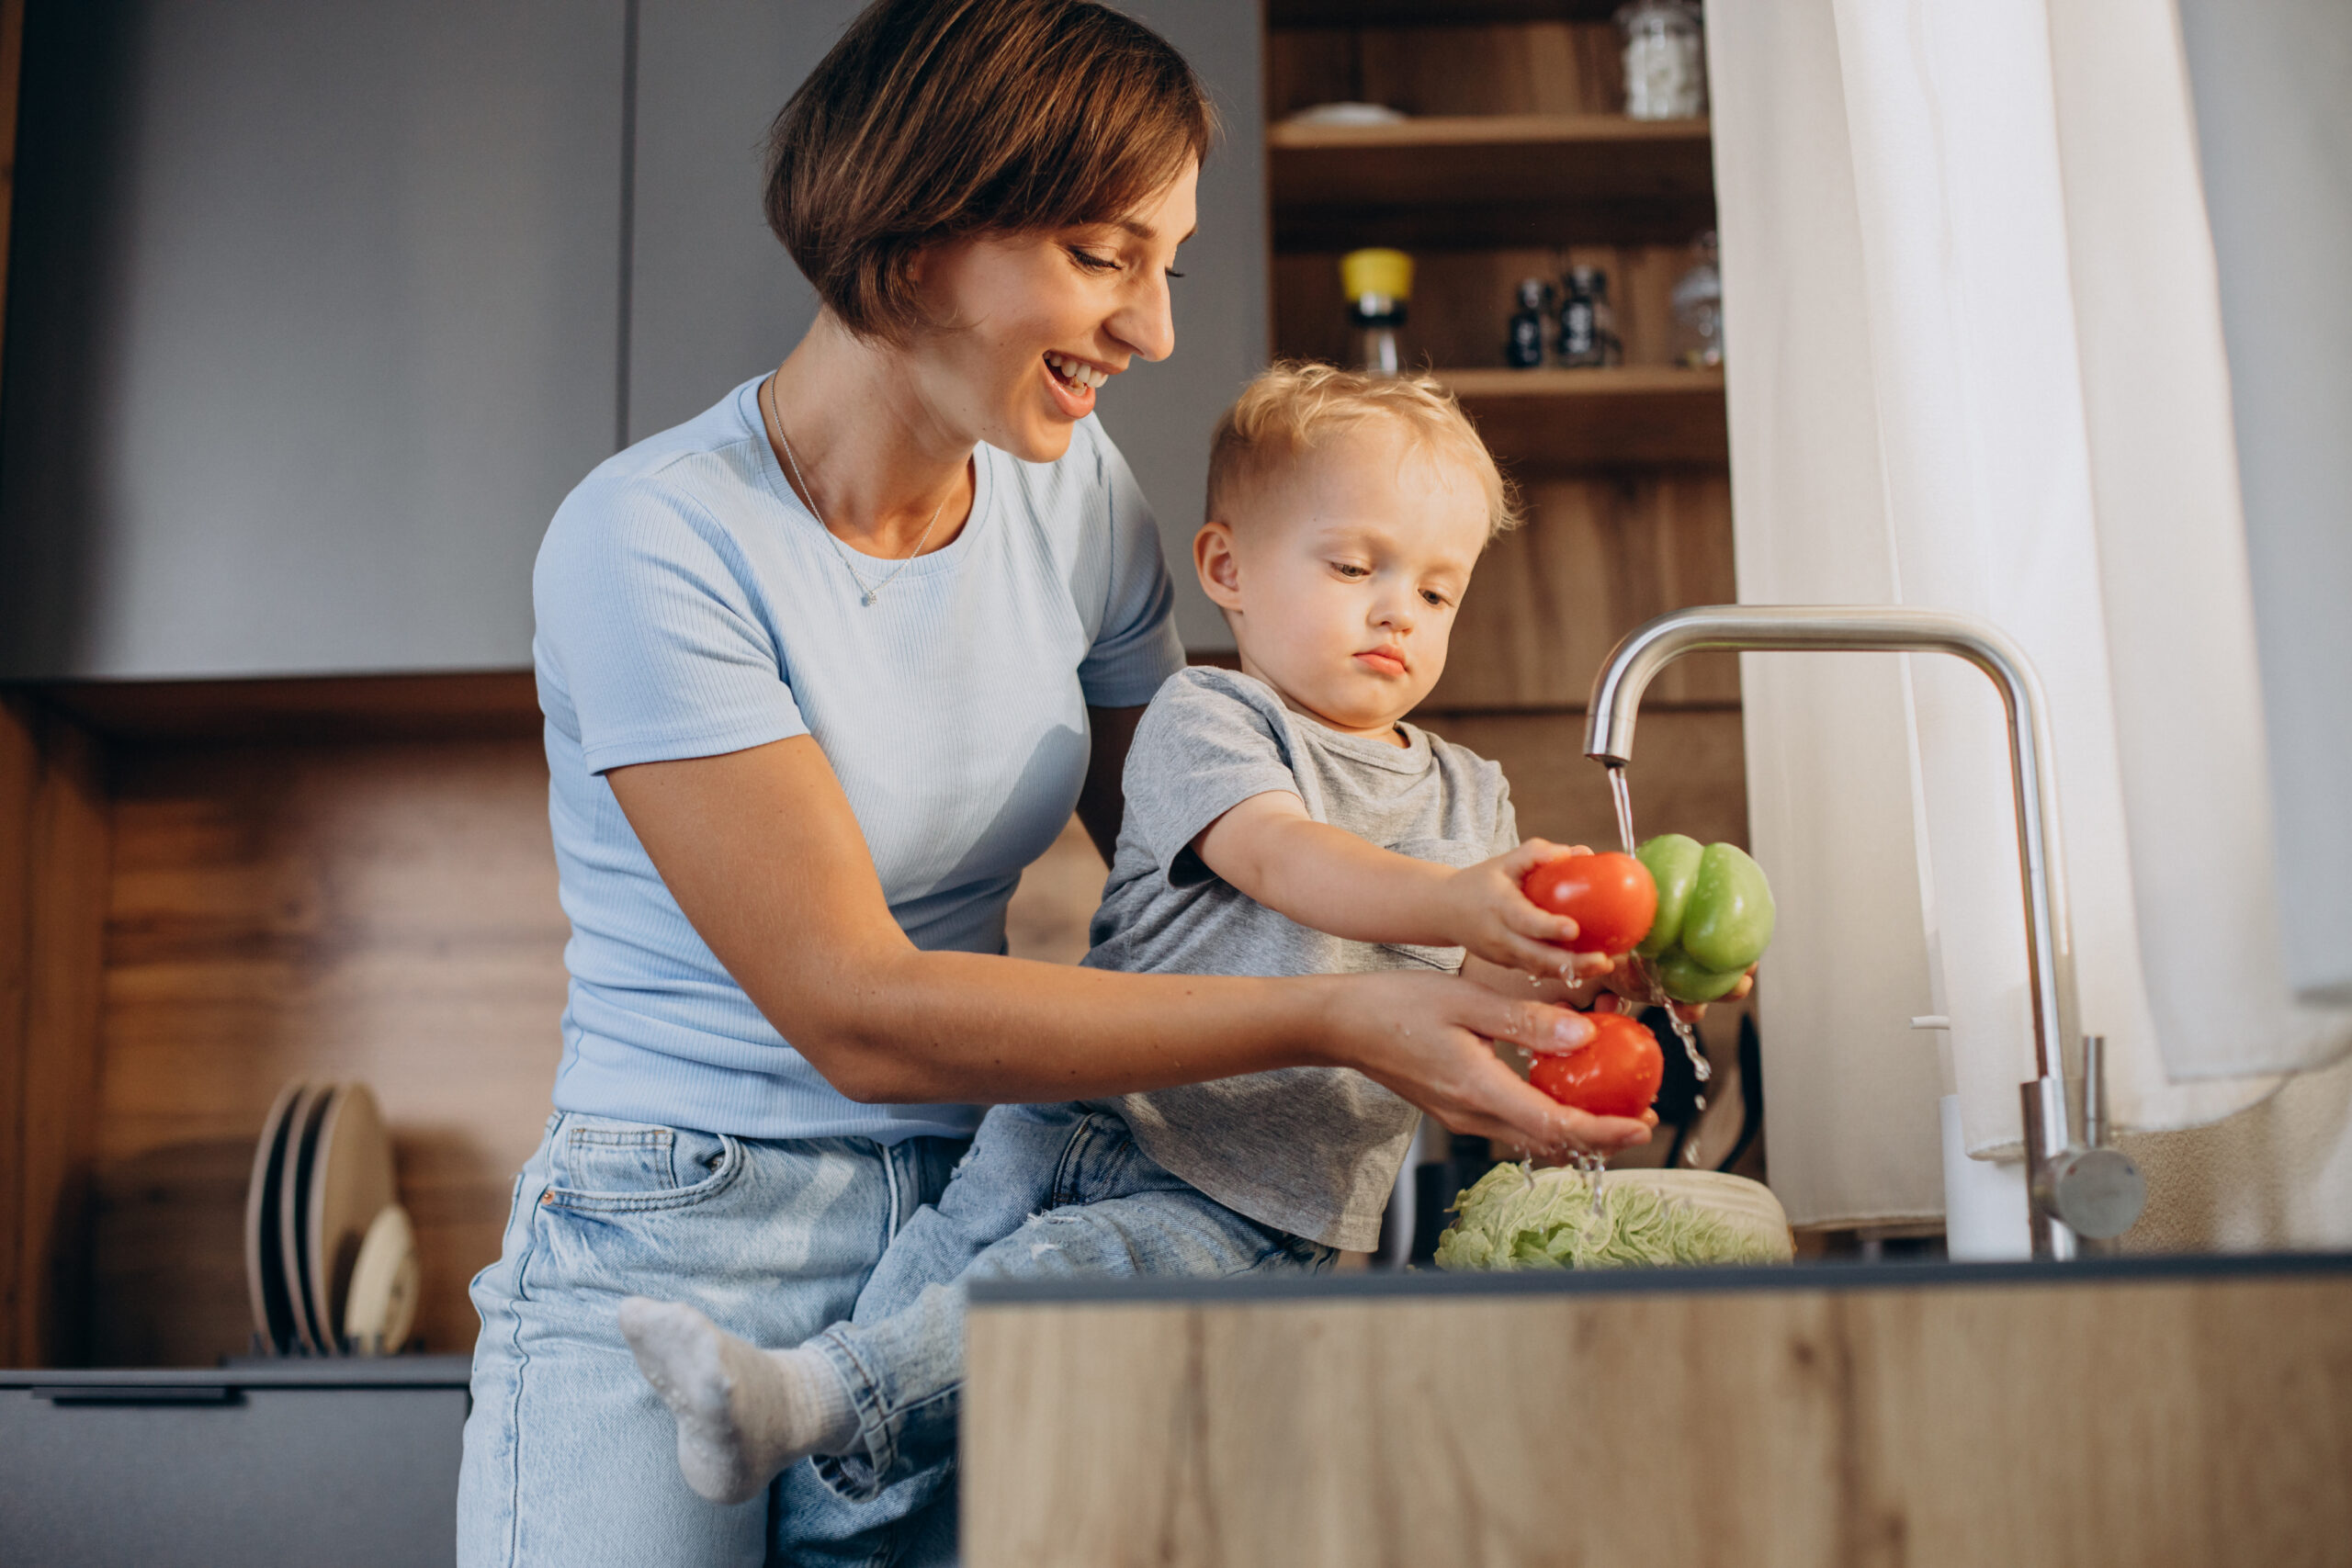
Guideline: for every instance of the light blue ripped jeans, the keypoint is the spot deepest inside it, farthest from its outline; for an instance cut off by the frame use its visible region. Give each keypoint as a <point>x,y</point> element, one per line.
<point>571,1459</point>
<point>1046,1190</point>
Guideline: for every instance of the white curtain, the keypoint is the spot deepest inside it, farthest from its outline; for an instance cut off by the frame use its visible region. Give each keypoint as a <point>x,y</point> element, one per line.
<point>1976,363</point>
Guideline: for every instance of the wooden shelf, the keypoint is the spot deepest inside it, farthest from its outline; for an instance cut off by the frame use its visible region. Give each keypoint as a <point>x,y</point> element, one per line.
<point>1433,12</point>
<point>443,705</point>
<point>1491,179</point>
<point>1627,414</point>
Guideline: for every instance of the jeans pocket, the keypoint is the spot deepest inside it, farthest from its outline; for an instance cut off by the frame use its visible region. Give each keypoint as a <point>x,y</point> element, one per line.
<point>621,1166</point>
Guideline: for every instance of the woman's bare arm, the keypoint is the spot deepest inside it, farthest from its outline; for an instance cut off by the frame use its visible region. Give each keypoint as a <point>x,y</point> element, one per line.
<point>763,856</point>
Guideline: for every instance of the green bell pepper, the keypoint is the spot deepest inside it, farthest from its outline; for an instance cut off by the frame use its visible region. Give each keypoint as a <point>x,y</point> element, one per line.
<point>1714,916</point>
<point>1673,863</point>
<point>1685,979</point>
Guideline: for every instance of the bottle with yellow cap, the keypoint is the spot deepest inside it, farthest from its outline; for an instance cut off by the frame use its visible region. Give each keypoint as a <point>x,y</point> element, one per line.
<point>1378,282</point>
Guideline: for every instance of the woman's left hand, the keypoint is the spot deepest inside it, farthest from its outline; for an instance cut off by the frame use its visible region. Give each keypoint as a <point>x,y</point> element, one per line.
<point>1626,990</point>
<point>1560,990</point>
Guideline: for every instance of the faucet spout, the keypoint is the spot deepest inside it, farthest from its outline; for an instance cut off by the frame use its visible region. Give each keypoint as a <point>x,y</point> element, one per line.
<point>1757,628</point>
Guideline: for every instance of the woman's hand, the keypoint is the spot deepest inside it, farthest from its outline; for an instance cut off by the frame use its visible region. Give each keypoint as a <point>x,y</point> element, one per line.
<point>1562,1156</point>
<point>1427,1037</point>
<point>1627,990</point>
<point>1577,989</point>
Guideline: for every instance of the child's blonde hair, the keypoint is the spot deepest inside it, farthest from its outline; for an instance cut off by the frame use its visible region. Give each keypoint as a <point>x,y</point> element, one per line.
<point>1295,406</point>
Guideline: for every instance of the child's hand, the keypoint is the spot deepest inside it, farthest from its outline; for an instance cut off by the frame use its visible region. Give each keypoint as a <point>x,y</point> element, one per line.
<point>1487,913</point>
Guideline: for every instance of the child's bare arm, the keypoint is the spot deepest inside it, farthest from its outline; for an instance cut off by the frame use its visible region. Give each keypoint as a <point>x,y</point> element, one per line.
<point>1329,879</point>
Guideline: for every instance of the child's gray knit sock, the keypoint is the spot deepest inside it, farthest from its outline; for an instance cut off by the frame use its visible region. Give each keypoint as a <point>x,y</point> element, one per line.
<point>743,1414</point>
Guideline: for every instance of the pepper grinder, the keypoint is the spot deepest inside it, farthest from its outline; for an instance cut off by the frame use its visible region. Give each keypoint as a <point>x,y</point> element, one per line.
<point>1378,283</point>
<point>1588,327</point>
<point>1525,349</point>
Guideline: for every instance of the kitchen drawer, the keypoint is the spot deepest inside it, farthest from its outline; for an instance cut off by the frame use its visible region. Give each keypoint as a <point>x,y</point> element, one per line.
<point>299,1464</point>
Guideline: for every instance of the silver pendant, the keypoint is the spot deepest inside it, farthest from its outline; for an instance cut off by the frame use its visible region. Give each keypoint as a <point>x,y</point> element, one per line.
<point>867,600</point>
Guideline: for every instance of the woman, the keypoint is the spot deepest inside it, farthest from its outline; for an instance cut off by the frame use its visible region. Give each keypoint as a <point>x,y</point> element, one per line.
<point>823,669</point>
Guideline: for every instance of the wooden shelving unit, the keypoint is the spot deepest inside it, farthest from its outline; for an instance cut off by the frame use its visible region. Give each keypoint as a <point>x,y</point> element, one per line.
<point>1421,13</point>
<point>1462,159</point>
<point>1488,179</point>
<point>1515,160</point>
<point>1633,414</point>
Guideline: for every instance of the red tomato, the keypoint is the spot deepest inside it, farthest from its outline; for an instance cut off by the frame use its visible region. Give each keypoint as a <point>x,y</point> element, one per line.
<point>1616,1073</point>
<point>1611,899</point>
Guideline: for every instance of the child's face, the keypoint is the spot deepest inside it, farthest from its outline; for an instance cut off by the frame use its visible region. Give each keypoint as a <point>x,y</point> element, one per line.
<point>1341,576</point>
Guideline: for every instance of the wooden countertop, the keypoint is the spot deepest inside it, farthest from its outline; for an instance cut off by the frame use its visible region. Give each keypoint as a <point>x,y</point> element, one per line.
<point>2138,1411</point>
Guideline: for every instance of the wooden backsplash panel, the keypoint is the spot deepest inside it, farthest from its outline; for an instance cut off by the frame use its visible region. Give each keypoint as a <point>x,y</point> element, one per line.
<point>380,912</point>
<point>1688,776</point>
<point>1597,555</point>
<point>387,911</point>
<point>54,846</point>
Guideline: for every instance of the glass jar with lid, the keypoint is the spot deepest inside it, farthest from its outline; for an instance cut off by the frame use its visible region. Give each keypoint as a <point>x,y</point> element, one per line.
<point>1666,60</point>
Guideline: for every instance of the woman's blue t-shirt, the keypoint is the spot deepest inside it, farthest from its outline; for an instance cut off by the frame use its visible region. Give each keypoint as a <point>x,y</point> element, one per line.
<point>689,606</point>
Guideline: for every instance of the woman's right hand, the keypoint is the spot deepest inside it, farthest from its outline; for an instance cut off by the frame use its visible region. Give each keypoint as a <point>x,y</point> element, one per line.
<point>1431,1039</point>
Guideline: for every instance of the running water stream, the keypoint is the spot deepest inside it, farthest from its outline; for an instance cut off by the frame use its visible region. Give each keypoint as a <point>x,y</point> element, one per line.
<point>1592,1165</point>
<point>1622,799</point>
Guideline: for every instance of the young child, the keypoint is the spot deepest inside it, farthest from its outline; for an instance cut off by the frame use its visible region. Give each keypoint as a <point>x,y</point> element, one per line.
<point>1280,821</point>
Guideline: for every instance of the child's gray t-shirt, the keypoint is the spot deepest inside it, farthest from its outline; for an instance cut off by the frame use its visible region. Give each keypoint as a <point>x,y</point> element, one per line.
<point>1313,1151</point>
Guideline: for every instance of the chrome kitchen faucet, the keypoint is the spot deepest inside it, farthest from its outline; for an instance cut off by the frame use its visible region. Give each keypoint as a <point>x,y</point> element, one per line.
<point>2076,1185</point>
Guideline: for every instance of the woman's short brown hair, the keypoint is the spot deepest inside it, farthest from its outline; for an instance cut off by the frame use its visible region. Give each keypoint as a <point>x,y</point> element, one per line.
<point>934,120</point>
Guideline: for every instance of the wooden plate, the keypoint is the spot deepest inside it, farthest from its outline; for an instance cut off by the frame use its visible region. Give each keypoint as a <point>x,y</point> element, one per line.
<point>264,1275</point>
<point>293,1194</point>
<point>384,1282</point>
<point>351,1183</point>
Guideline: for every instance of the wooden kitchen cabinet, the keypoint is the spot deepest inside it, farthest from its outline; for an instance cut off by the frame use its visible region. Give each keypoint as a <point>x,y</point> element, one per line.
<point>1516,160</point>
<point>313,321</point>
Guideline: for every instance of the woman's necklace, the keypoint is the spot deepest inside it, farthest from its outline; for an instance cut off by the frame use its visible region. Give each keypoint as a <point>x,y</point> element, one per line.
<point>867,592</point>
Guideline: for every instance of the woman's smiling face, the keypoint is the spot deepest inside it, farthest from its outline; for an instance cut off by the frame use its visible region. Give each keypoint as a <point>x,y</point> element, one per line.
<point>1037,322</point>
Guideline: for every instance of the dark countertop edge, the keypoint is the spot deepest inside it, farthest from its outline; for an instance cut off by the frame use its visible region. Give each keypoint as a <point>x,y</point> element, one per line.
<point>292,1371</point>
<point>1822,1276</point>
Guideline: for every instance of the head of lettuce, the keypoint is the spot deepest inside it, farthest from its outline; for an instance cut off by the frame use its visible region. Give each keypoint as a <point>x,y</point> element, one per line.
<point>1519,1218</point>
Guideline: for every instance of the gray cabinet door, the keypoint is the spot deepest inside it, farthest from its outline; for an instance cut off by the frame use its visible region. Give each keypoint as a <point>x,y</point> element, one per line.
<point>1162,423</point>
<point>713,297</point>
<point>314,317</point>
